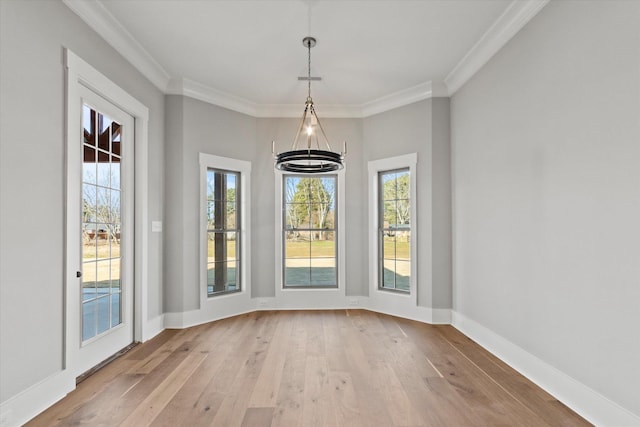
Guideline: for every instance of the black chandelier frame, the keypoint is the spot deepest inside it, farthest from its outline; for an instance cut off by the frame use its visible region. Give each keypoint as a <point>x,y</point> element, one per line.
<point>310,160</point>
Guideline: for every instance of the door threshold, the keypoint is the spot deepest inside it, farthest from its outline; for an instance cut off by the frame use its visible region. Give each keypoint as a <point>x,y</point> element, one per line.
<point>104,363</point>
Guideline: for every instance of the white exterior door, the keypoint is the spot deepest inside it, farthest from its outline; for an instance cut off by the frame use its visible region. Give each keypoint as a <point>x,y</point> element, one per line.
<point>100,187</point>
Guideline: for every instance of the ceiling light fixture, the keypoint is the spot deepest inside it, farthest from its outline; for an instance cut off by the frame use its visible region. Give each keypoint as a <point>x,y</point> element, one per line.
<point>312,159</point>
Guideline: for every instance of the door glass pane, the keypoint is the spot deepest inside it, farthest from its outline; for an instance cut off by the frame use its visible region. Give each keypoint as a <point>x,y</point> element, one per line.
<point>88,319</point>
<point>115,172</point>
<point>104,321</point>
<point>116,309</point>
<point>89,164</point>
<point>115,274</point>
<point>101,223</point>
<point>104,169</point>
<point>89,281</point>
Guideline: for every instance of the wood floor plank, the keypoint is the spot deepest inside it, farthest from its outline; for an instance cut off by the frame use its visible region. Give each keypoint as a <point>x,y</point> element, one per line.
<point>242,380</point>
<point>317,368</point>
<point>288,410</point>
<point>151,346</point>
<point>196,402</point>
<point>114,411</point>
<point>257,417</point>
<point>155,402</point>
<point>317,409</point>
<point>265,392</point>
<point>364,382</point>
<point>84,394</point>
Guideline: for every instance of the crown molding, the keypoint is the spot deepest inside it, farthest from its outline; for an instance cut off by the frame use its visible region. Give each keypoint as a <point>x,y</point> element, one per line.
<point>109,28</point>
<point>516,16</point>
<point>295,110</point>
<point>404,97</point>
<point>512,20</point>
<point>210,95</point>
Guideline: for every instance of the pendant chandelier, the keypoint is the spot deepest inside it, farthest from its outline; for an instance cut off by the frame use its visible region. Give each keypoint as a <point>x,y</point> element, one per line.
<point>313,158</point>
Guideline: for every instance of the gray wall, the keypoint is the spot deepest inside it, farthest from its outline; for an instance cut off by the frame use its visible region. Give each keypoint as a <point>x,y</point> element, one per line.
<point>423,128</point>
<point>32,37</point>
<point>546,144</point>
<point>193,127</point>
<point>441,203</point>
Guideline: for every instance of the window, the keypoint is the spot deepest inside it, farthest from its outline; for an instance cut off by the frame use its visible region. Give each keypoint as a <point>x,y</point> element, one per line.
<point>394,230</point>
<point>223,231</point>
<point>309,231</point>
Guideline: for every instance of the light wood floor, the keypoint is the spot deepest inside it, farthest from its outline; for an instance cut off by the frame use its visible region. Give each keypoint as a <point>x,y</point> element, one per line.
<point>324,368</point>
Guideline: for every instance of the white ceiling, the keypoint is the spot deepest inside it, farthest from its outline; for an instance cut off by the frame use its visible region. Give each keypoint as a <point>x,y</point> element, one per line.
<point>246,55</point>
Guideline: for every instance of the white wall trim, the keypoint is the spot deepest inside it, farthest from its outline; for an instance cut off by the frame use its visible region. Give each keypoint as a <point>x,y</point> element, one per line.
<point>516,16</point>
<point>154,327</point>
<point>81,72</point>
<point>591,405</point>
<point>213,96</point>
<point>111,30</point>
<point>30,402</point>
<point>404,97</point>
<point>187,319</point>
<point>225,305</point>
<point>295,110</point>
<point>223,99</point>
<point>512,20</point>
<point>382,300</point>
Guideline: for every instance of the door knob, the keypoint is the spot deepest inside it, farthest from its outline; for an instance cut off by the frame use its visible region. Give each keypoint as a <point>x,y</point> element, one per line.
<point>78,273</point>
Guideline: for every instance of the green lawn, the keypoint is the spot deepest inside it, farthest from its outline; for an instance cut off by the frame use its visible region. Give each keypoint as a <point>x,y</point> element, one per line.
<point>402,249</point>
<point>319,248</point>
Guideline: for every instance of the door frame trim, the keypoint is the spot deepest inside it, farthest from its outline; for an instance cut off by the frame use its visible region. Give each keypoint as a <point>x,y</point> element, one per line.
<point>80,74</point>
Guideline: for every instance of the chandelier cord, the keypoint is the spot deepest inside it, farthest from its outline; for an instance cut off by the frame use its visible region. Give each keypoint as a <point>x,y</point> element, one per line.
<point>309,70</point>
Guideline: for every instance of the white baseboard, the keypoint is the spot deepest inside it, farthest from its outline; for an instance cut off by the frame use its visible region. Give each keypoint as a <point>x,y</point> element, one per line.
<point>27,404</point>
<point>265,303</point>
<point>589,404</point>
<point>440,316</point>
<point>196,317</point>
<point>153,327</point>
<point>407,309</point>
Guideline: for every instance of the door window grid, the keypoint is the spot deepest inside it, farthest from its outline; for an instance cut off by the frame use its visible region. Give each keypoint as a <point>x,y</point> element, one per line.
<point>394,230</point>
<point>101,223</point>
<point>223,232</point>
<point>309,232</point>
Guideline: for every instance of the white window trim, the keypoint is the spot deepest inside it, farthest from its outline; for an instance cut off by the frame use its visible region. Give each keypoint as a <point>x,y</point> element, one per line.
<point>311,298</point>
<point>216,304</point>
<point>375,166</point>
